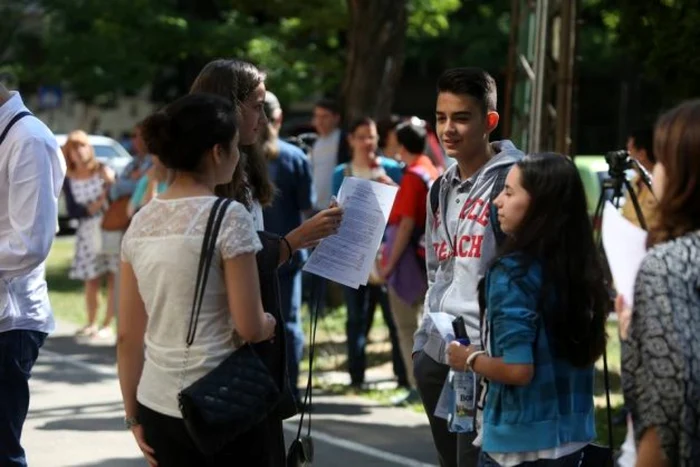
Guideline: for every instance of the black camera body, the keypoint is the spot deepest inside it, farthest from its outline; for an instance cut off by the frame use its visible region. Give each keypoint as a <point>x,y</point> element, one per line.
<point>618,162</point>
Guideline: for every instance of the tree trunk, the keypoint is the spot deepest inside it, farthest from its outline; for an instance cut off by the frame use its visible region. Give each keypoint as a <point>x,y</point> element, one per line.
<point>376,43</point>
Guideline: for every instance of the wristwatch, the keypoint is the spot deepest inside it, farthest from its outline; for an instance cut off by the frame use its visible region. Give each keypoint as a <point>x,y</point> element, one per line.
<point>131,422</point>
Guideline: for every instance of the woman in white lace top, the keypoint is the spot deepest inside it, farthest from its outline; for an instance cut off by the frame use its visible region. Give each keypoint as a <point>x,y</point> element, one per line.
<point>197,138</point>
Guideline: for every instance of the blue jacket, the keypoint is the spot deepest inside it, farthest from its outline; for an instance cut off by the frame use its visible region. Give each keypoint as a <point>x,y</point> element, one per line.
<point>556,407</point>
<point>393,169</point>
<point>291,174</point>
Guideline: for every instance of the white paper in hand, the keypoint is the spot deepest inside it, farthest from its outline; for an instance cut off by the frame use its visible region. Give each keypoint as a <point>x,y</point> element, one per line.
<point>625,248</point>
<point>347,257</point>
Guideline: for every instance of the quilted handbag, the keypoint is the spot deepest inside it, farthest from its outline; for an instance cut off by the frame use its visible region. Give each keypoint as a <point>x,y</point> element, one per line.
<point>240,392</point>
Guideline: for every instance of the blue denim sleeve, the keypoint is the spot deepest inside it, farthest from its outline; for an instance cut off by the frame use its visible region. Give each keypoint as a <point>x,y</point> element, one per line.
<point>512,302</point>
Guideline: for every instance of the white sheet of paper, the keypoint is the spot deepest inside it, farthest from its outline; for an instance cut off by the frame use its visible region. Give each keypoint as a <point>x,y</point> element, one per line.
<point>625,248</point>
<point>347,257</point>
<point>443,323</point>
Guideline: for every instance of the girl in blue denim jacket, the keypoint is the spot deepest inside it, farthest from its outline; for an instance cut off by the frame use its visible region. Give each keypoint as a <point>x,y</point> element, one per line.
<point>544,306</point>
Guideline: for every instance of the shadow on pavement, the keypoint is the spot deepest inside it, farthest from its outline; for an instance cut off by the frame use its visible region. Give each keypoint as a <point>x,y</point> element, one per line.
<point>75,410</point>
<point>88,351</point>
<point>86,424</point>
<point>57,371</point>
<point>116,463</point>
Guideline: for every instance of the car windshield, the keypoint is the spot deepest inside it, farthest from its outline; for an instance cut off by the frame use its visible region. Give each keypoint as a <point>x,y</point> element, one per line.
<point>105,152</point>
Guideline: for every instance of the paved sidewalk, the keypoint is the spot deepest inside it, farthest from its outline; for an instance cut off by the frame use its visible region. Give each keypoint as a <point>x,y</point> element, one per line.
<point>76,415</point>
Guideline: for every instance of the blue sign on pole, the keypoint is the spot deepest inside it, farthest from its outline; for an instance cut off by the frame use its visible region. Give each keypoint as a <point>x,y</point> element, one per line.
<point>50,97</point>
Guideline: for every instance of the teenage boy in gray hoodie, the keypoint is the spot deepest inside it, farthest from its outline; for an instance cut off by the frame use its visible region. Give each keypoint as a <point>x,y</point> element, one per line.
<point>461,235</point>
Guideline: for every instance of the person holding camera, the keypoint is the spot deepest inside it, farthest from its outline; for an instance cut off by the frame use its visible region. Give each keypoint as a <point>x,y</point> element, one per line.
<point>640,148</point>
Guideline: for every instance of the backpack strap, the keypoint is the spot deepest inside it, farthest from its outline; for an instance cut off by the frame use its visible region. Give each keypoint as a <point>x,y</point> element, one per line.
<point>14,120</point>
<point>498,185</point>
<point>434,195</point>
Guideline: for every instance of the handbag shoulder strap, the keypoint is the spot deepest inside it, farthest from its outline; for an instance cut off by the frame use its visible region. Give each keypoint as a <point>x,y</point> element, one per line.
<point>318,294</point>
<point>216,217</point>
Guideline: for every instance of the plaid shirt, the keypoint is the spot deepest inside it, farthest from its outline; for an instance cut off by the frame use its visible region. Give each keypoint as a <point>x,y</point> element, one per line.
<point>556,407</point>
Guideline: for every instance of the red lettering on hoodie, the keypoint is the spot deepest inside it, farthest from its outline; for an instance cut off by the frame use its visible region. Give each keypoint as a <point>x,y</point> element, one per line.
<point>466,246</point>
<point>483,218</point>
<point>475,250</point>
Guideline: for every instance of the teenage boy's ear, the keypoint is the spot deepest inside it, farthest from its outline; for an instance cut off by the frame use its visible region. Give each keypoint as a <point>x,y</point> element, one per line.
<point>492,119</point>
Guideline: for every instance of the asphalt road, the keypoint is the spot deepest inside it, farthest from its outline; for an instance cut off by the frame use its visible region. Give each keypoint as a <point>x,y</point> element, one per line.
<point>76,416</point>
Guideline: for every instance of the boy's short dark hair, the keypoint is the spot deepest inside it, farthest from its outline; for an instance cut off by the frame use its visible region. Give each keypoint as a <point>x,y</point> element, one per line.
<point>328,104</point>
<point>643,138</point>
<point>412,137</point>
<point>473,82</point>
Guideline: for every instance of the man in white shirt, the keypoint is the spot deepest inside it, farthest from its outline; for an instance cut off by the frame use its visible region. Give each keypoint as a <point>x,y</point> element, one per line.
<point>32,170</point>
<point>329,150</point>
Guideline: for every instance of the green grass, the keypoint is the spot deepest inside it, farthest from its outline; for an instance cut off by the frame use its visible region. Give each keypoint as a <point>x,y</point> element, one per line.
<point>66,295</point>
<point>69,305</point>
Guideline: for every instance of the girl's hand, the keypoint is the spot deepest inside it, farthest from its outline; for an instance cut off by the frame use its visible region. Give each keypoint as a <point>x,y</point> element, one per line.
<point>270,325</point>
<point>624,316</point>
<point>320,226</point>
<point>148,452</point>
<point>457,355</point>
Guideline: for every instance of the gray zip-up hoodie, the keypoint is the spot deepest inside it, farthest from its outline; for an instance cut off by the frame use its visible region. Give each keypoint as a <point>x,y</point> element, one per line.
<point>460,248</point>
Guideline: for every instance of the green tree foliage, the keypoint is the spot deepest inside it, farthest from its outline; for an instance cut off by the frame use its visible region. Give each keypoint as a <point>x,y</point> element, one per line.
<point>102,49</point>
<point>662,37</point>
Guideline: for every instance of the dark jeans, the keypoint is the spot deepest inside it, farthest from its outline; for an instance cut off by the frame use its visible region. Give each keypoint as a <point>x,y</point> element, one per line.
<point>453,450</point>
<point>18,353</point>
<point>572,460</point>
<point>290,294</point>
<point>263,446</point>
<point>360,309</point>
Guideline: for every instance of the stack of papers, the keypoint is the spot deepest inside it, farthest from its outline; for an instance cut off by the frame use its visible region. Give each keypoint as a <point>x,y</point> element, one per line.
<point>348,257</point>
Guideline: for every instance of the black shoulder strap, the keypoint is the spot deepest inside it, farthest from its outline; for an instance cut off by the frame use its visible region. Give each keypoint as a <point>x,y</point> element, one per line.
<point>434,194</point>
<point>14,120</point>
<point>216,217</point>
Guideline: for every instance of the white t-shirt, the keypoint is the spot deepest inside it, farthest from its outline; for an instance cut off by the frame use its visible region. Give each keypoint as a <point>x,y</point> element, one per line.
<point>163,245</point>
<point>324,159</point>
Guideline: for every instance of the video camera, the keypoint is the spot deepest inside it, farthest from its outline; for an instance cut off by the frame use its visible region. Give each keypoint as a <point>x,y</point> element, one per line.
<point>618,162</point>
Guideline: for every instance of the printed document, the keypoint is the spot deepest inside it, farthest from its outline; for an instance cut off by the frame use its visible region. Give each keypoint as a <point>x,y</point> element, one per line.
<point>625,248</point>
<point>348,257</point>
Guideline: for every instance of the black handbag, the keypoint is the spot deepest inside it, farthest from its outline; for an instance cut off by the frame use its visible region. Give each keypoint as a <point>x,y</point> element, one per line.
<point>301,450</point>
<point>240,392</point>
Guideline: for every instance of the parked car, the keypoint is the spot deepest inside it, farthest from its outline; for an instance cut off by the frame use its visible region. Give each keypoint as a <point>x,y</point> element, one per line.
<point>110,153</point>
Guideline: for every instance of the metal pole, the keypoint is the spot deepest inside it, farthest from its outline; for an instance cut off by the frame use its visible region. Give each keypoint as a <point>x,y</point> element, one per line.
<point>536,113</point>
<point>512,70</point>
<point>565,76</point>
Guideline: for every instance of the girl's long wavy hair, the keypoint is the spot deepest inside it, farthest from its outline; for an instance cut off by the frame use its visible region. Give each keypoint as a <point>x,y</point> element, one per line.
<point>235,80</point>
<point>556,232</point>
<point>677,148</point>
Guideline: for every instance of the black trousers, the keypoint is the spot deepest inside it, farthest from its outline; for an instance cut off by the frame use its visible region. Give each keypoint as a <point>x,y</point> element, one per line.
<point>453,450</point>
<point>262,446</point>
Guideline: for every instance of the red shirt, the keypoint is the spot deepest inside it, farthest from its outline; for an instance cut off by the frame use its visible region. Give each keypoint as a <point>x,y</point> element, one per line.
<point>411,199</point>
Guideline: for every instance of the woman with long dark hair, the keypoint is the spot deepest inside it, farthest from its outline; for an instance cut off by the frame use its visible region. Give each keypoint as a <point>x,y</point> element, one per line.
<point>244,85</point>
<point>660,351</point>
<point>544,305</point>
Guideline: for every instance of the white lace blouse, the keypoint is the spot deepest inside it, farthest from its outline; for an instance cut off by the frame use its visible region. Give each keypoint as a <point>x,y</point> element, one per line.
<point>162,245</point>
